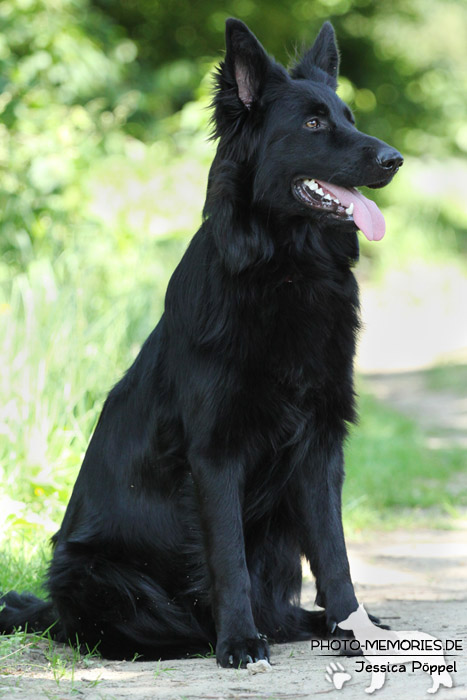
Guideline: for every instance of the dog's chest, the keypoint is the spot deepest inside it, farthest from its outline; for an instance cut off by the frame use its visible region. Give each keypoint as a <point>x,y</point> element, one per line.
<point>296,369</point>
<point>307,333</point>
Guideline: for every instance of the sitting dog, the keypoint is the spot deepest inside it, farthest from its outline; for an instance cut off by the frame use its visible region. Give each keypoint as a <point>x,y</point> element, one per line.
<point>217,461</point>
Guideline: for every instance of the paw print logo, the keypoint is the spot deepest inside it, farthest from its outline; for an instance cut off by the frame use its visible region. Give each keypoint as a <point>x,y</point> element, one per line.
<point>337,675</point>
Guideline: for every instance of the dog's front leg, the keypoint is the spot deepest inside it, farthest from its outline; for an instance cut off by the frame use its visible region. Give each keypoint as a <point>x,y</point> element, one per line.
<point>219,487</point>
<point>323,536</point>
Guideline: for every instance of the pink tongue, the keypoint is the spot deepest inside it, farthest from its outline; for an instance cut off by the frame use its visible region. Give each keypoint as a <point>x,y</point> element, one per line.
<point>366,214</point>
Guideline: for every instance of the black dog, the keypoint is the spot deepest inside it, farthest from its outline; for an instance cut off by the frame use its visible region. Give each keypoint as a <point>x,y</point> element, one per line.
<point>217,461</point>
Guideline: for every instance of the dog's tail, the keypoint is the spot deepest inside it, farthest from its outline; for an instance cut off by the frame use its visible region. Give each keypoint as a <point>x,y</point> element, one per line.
<point>26,612</point>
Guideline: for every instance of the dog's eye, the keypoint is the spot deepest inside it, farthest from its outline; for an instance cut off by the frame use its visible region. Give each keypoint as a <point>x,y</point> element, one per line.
<point>313,123</point>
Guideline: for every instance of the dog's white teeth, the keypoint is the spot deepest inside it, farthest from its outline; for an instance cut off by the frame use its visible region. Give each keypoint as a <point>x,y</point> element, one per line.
<point>320,191</point>
<point>335,200</point>
<point>327,196</point>
<point>349,209</point>
<point>311,184</point>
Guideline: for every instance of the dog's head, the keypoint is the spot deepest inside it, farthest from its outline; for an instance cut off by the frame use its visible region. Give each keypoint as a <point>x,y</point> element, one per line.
<point>295,138</point>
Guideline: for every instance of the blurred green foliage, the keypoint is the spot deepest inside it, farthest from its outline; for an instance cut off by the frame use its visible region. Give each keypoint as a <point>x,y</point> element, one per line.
<point>103,164</point>
<point>58,105</point>
<point>81,80</point>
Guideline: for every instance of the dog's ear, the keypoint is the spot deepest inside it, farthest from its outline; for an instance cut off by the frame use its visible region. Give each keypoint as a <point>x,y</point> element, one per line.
<point>246,63</point>
<point>321,62</point>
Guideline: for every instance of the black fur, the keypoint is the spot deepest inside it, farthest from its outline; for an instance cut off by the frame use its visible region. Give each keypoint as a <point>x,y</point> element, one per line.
<point>217,461</point>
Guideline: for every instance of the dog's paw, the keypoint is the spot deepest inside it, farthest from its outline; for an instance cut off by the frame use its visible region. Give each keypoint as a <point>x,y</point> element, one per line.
<point>237,653</point>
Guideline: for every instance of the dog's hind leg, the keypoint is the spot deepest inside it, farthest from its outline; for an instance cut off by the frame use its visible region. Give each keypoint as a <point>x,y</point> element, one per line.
<point>275,568</point>
<point>297,624</point>
<point>117,607</point>
<point>166,630</point>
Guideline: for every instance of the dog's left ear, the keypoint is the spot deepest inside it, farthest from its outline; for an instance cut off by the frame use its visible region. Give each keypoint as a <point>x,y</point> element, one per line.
<point>321,62</point>
<point>246,62</point>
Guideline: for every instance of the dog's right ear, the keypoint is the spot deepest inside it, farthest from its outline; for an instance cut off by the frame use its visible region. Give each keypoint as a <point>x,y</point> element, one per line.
<point>246,63</point>
<point>321,62</point>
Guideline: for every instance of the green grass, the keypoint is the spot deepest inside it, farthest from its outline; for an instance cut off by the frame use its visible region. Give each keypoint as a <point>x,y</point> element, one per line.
<point>38,652</point>
<point>448,377</point>
<point>392,472</point>
<point>160,670</point>
<point>24,555</point>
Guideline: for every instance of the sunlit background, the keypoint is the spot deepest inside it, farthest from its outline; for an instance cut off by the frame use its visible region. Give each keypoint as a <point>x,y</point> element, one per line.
<point>103,162</point>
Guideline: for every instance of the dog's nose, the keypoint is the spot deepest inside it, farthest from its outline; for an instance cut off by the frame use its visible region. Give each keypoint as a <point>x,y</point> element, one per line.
<point>389,159</point>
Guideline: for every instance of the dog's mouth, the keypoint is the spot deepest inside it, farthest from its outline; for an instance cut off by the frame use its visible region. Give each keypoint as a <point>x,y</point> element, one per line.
<point>345,203</point>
